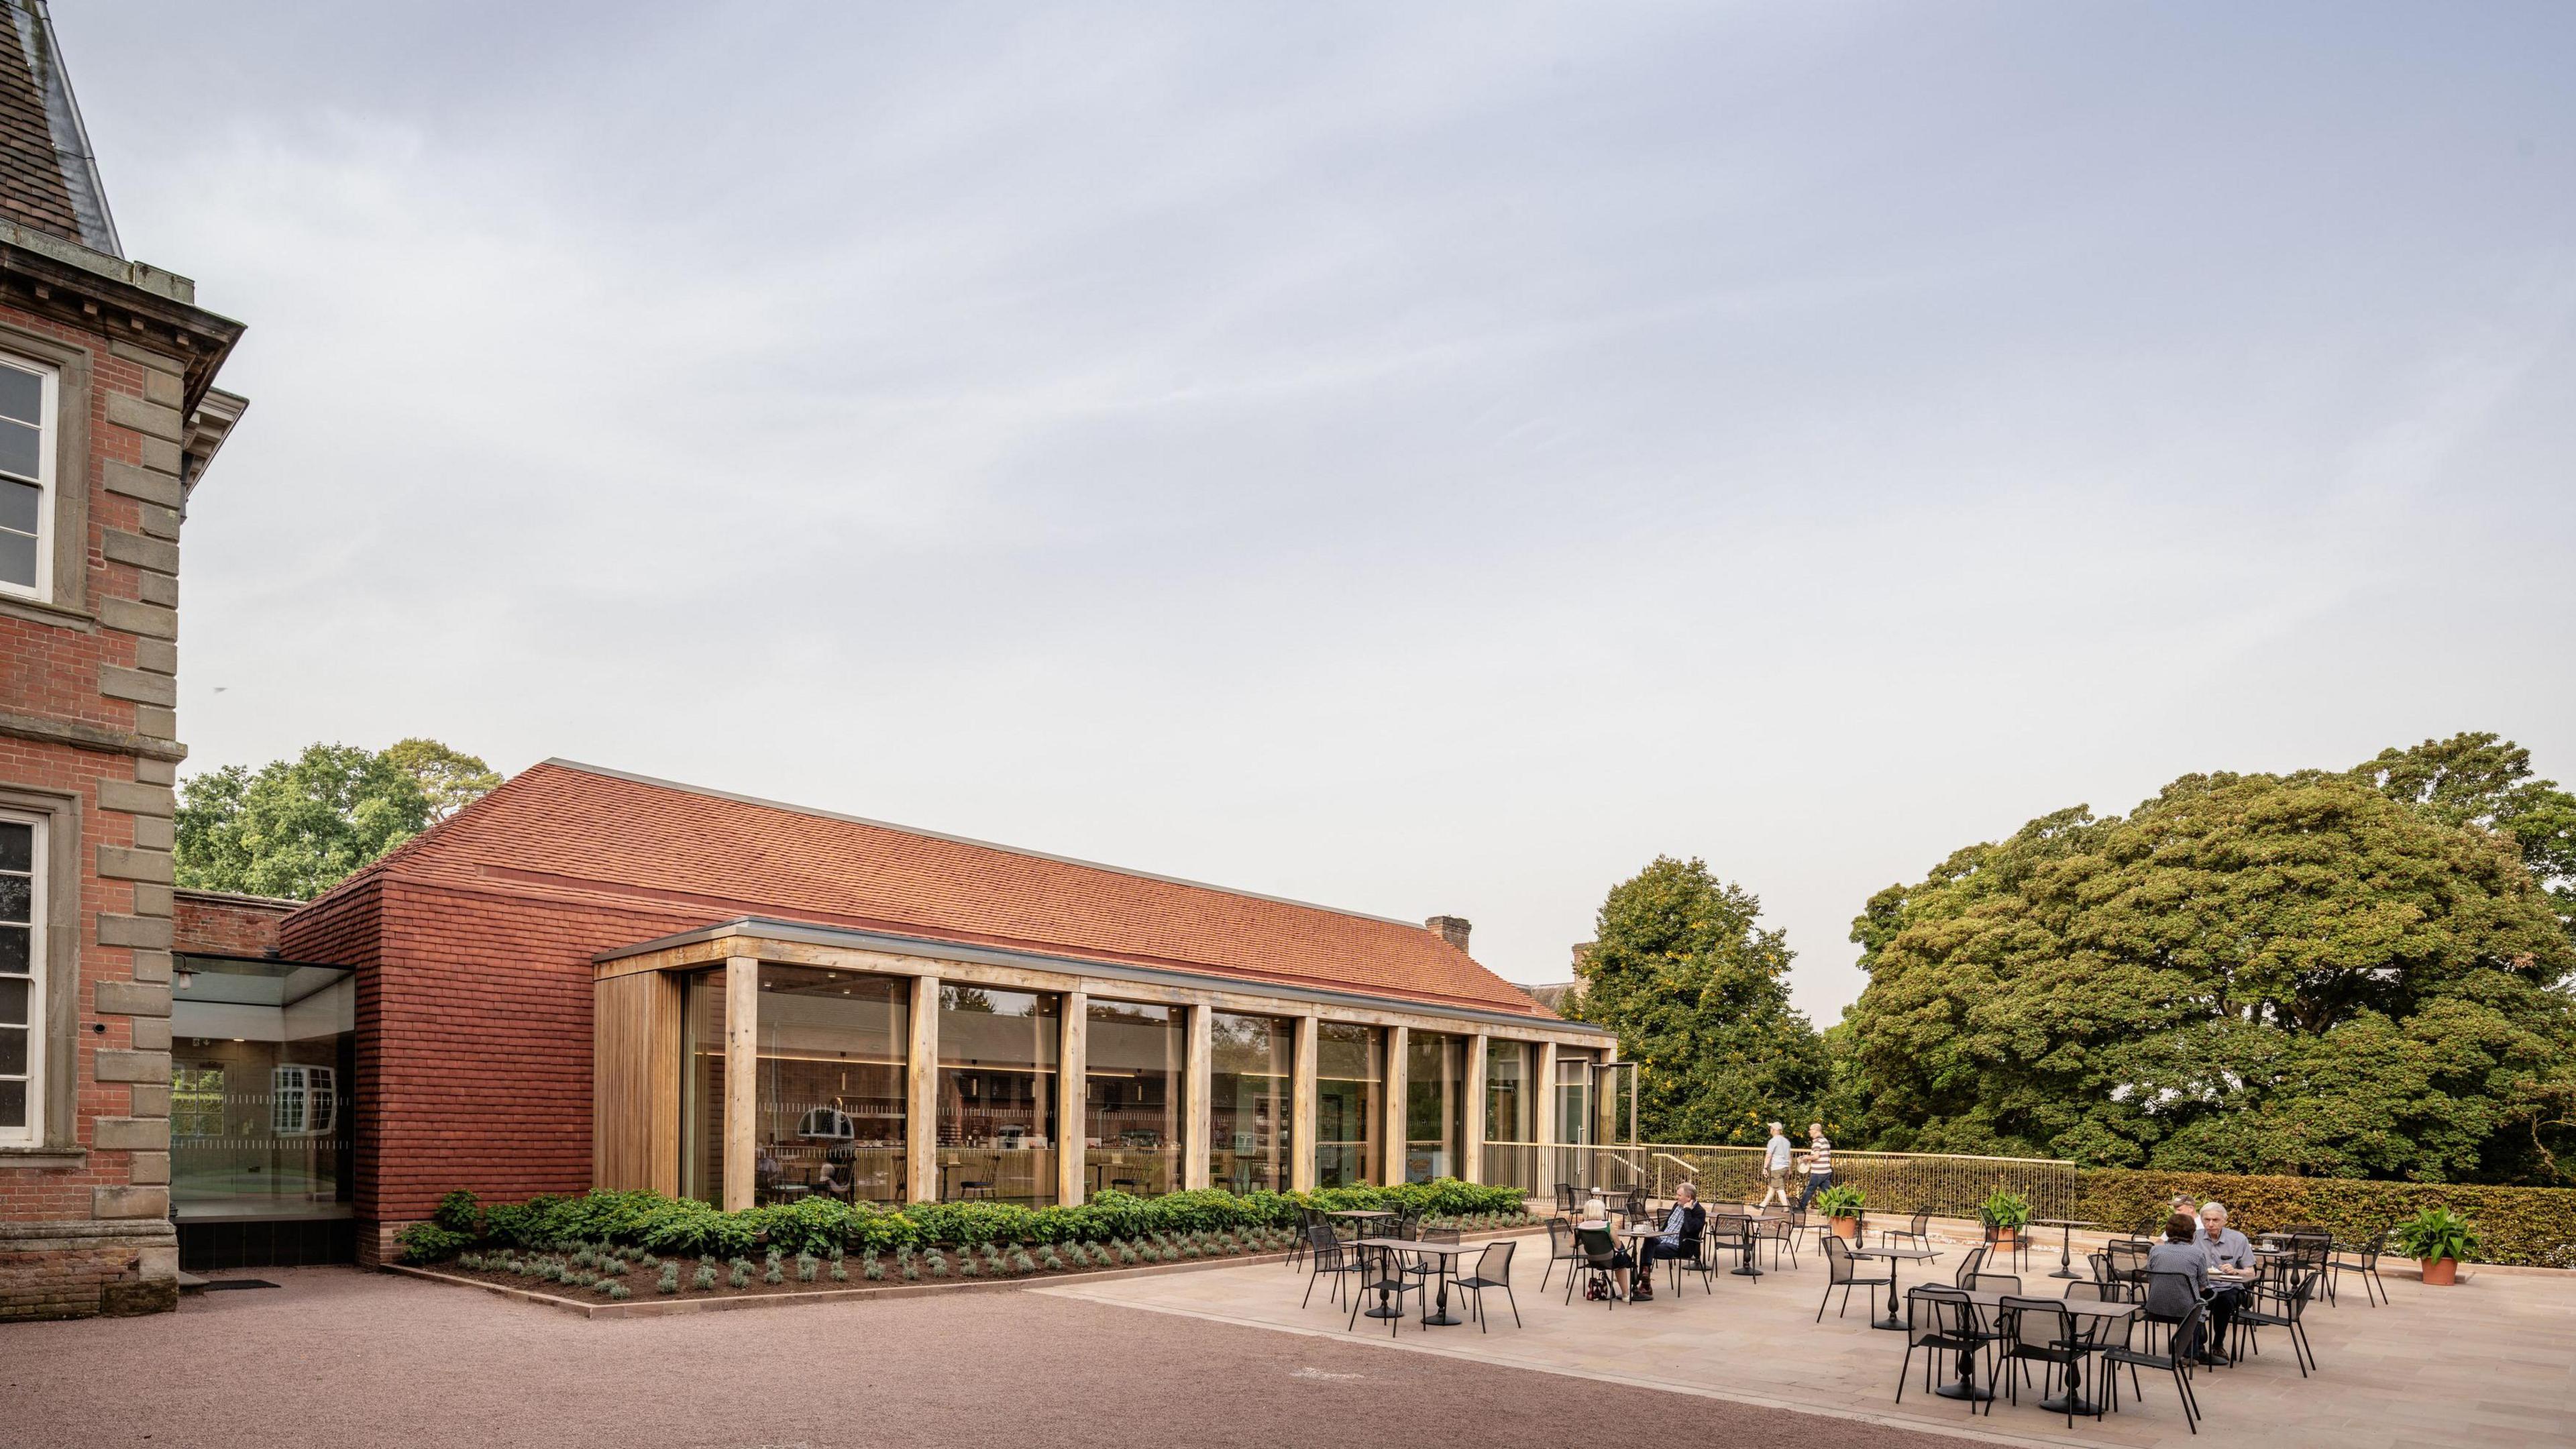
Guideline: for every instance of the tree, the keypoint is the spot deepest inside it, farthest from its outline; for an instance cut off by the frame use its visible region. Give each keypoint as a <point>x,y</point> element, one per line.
<point>295,828</point>
<point>2308,973</point>
<point>1698,993</point>
<point>451,780</point>
<point>2485,780</point>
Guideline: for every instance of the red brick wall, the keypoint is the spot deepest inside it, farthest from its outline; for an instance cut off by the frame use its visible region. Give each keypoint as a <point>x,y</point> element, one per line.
<point>474,1036</point>
<point>211,924</point>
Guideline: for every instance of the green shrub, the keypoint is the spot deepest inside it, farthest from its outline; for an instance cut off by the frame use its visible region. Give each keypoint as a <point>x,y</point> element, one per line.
<point>669,1282</point>
<point>430,1243</point>
<point>772,1275</point>
<point>2529,1225</point>
<point>460,1212</point>
<point>967,1267</point>
<point>1842,1200</point>
<point>911,1271</point>
<point>739,1278</point>
<point>840,1271</point>
<point>2003,1208</point>
<point>873,1270</point>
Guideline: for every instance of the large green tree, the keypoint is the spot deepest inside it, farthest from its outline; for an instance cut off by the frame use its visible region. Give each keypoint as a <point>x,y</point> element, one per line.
<point>2486,780</point>
<point>1683,970</point>
<point>2313,973</point>
<point>295,828</point>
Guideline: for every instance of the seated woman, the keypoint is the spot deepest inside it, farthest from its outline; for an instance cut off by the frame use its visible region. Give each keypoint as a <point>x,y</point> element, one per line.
<point>2180,1256</point>
<point>1596,1215</point>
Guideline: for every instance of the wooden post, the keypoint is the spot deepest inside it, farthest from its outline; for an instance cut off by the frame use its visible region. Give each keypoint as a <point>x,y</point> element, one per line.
<point>742,1076</point>
<point>1303,1106</point>
<point>1201,1080</point>
<point>1073,1093</point>
<point>1471,1153</point>
<point>921,1106</point>
<point>1391,1160</point>
<point>1546,1171</point>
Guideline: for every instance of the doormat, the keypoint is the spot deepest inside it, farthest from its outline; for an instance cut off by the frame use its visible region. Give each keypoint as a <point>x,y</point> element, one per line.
<point>212,1284</point>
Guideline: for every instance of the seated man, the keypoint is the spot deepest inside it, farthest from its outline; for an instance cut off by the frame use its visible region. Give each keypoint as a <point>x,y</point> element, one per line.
<point>2183,1258</point>
<point>2231,1269</point>
<point>1682,1228</point>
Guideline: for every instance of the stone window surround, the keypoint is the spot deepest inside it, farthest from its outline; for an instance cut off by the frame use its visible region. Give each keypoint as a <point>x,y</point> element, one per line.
<point>67,590</point>
<point>58,1090</point>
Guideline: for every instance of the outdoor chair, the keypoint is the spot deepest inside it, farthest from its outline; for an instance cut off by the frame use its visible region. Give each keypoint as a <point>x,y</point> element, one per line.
<point>1493,1270</point>
<point>1775,1231</point>
<point>2128,1258</point>
<point>1598,1248</point>
<point>2283,1304</point>
<point>974,1191</point>
<point>1839,1273</point>
<point>1382,1275</point>
<point>1738,1234</point>
<point>2040,1331</point>
<point>1326,1257</point>
<point>2169,1301</point>
<point>1917,1230</point>
<point>1995,1283</point>
<point>1565,1202</point>
<point>1427,1267</point>
<point>1797,1233</point>
<point>1633,1210</point>
<point>1694,1258</point>
<point>2100,1263</point>
<point>1939,1321</point>
<point>1967,1273</point>
<point>1307,1221</point>
<point>2362,1260</point>
<point>1561,1248</point>
<point>2097,1292</point>
<point>2173,1360</point>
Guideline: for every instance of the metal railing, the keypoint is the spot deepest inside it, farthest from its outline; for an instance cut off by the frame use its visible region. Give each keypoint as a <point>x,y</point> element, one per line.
<point>1944,1184</point>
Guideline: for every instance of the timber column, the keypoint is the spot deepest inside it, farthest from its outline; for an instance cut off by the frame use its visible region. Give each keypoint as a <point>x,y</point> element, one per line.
<point>921,1097</point>
<point>1471,1122</point>
<point>1302,1105</point>
<point>1201,1086</point>
<point>1073,1088</point>
<point>742,1076</point>
<point>1391,1170</point>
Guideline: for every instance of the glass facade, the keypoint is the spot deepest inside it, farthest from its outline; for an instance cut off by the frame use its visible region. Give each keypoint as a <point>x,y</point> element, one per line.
<point>997,1094</point>
<point>1511,1107</point>
<point>702,1057</point>
<point>1574,1100</point>
<point>263,1061</point>
<point>1134,1063</point>
<point>829,1097</point>
<point>1252,1066</point>
<point>1349,1071</point>
<point>1435,1105</point>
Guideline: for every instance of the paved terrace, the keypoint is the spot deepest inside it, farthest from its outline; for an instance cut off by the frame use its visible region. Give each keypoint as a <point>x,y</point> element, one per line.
<point>2490,1363</point>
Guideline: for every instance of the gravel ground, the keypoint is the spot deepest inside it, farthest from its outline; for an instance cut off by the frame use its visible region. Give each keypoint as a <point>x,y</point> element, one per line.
<point>341,1358</point>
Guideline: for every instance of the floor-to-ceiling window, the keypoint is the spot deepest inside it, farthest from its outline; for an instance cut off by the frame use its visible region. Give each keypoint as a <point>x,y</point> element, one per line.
<point>1250,1109</point>
<point>262,1060</point>
<point>997,1094</point>
<point>1511,1114</point>
<point>1135,1060</point>
<point>1435,1105</point>
<point>830,1091</point>
<point>1349,1066</point>
<point>702,1085</point>
<point>1574,1099</point>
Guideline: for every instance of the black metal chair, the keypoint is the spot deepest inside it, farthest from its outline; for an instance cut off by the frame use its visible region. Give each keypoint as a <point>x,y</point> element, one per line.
<point>1382,1273</point>
<point>1600,1252</point>
<point>2040,1331</point>
<point>2181,1332</point>
<point>1939,1320</point>
<point>1797,1218</point>
<point>1493,1270</point>
<point>1565,1202</point>
<point>2128,1259</point>
<point>2279,1303</point>
<point>1327,1257</point>
<point>1693,1258</point>
<point>2362,1260</point>
<point>1775,1231</point>
<point>1994,1283</point>
<point>1426,1266</point>
<point>1741,1235</point>
<point>1839,1273</point>
<point>1561,1248</point>
<point>2168,1301</point>
<point>1967,1274</point>
<point>1917,1230</point>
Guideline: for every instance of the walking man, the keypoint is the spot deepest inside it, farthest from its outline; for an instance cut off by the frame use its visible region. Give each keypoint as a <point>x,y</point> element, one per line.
<point>1820,1164</point>
<point>1775,1169</point>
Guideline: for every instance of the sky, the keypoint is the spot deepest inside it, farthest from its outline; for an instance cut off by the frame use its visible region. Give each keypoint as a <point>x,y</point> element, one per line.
<point>1425,459</point>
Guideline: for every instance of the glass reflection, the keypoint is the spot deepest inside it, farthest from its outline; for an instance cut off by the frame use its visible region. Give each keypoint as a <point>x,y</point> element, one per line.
<point>1250,1116</point>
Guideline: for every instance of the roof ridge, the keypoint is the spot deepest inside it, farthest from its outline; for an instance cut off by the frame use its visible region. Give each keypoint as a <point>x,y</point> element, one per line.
<point>1074,860</point>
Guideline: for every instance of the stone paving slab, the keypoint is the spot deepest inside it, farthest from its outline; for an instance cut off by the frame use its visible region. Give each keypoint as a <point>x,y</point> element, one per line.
<point>2490,1364</point>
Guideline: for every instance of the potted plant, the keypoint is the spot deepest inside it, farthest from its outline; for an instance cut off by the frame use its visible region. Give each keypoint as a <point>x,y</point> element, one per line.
<point>2438,1238</point>
<point>2005,1213</point>
<point>1841,1204</point>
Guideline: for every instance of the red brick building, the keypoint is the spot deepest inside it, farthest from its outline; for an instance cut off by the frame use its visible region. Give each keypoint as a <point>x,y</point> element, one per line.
<point>544,982</point>
<point>108,418</point>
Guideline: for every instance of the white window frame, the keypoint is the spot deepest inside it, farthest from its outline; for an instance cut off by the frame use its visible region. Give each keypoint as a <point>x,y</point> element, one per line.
<point>315,1092</point>
<point>48,499</point>
<point>38,1023</point>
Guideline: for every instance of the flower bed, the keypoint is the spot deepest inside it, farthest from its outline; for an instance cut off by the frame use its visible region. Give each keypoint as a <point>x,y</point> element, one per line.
<point>542,1240</point>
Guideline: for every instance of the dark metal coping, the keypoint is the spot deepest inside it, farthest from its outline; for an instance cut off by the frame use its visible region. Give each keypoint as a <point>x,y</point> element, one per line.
<point>773,929</point>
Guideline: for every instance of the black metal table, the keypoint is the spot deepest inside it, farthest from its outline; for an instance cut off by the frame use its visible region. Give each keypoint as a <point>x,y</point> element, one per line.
<point>1893,1321</point>
<point>1966,1386</point>
<point>1447,1253</point>
<point>2065,1243</point>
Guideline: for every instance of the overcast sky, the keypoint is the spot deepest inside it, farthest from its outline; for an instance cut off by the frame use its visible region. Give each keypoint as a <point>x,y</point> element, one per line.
<point>1418,459</point>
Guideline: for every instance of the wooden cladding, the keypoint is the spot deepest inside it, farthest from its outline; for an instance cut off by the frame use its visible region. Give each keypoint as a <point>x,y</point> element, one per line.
<point>635,1083</point>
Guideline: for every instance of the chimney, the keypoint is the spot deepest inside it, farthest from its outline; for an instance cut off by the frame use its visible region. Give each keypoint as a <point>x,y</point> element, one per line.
<point>1582,953</point>
<point>1452,929</point>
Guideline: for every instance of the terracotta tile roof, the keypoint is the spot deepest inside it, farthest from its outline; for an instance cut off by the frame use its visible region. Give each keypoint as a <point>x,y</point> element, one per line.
<point>571,830</point>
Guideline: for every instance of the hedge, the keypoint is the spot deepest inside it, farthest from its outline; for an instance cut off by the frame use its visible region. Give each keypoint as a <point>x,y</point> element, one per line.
<point>2533,1225</point>
<point>686,1227</point>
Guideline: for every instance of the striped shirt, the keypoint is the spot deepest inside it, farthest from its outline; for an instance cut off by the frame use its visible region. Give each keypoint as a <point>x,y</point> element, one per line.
<point>1820,1156</point>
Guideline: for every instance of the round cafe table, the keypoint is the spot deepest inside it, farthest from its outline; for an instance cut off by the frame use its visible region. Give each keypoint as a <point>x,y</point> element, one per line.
<point>1895,1320</point>
<point>2065,1243</point>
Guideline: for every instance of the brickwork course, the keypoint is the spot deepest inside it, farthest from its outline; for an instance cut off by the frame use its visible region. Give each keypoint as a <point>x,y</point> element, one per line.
<point>88,727</point>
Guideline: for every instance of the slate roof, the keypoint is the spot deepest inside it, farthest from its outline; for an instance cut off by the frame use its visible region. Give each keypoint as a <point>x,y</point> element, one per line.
<point>48,179</point>
<point>581,832</point>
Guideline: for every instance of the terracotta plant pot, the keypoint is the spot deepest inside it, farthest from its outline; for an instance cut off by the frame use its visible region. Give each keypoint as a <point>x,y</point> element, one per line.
<point>2441,1272</point>
<point>2005,1237</point>
<point>1847,1228</point>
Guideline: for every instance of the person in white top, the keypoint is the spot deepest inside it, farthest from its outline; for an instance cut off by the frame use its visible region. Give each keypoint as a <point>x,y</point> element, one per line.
<point>1775,1168</point>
